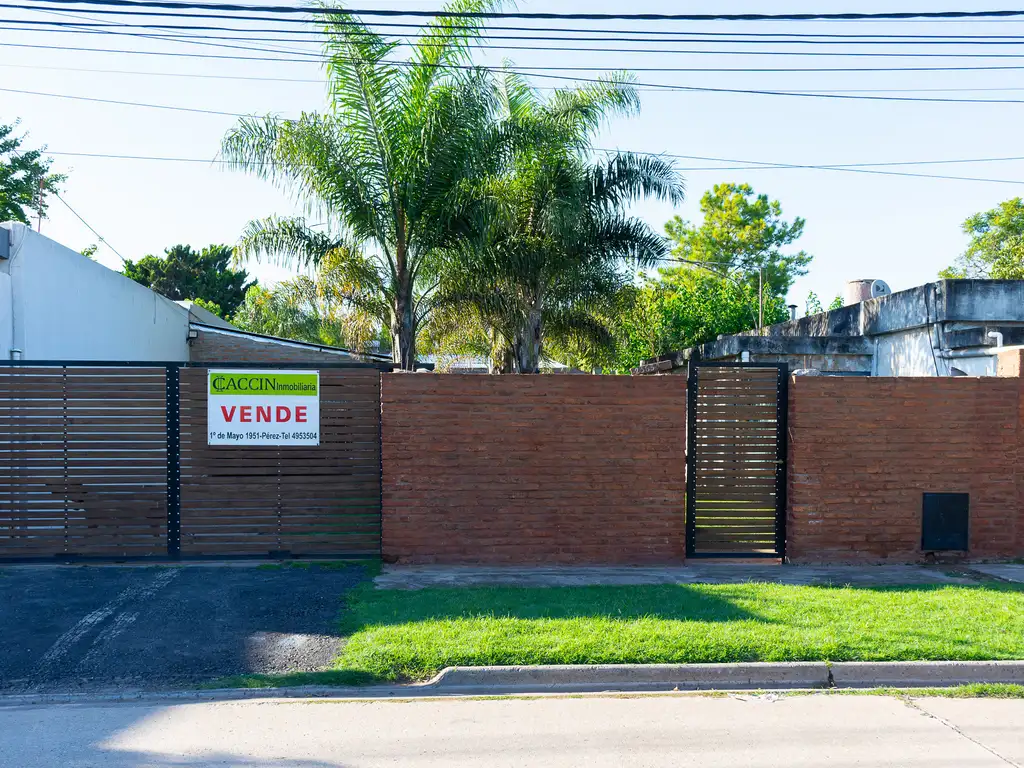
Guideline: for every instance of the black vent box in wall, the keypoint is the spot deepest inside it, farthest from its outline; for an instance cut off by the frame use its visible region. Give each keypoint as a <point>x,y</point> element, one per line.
<point>945,524</point>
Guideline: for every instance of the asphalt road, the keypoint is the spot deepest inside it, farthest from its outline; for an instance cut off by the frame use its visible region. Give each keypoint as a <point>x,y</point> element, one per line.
<point>753,732</point>
<point>96,628</point>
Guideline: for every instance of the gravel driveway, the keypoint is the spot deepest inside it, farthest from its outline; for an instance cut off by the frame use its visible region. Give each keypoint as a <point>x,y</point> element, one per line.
<point>93,628</point>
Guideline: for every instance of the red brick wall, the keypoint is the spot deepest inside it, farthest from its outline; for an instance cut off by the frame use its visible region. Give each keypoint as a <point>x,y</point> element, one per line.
<point>533,469</point>
<point>213,347</point>
<point>863,450</point>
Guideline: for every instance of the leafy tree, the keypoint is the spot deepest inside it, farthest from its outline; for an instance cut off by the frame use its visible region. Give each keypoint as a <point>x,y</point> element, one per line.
<point>837,303</point>
<point>558,237</point>
<point>183,273</point>
<point>996,249</point>
<point>685,307</point>
<point>314,309</point>
<point>90,251</point>
<point>25,178</point>
<point>742,233</point>
<point>209,306</point>
<point>387,166</point>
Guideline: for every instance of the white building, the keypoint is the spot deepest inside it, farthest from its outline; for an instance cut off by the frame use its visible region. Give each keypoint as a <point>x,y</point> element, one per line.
<point>58,305</point>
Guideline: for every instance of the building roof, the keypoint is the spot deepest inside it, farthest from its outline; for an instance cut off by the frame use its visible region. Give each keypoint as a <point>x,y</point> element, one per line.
<point>230,330</point>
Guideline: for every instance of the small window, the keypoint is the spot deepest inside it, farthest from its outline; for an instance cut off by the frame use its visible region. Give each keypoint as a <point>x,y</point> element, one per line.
<point>945,524</point>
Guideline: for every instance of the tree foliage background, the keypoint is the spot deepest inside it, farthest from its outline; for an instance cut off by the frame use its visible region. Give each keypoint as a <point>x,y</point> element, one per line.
<point>996,248</point>
<point>183,273</point>
<point>25,177</point>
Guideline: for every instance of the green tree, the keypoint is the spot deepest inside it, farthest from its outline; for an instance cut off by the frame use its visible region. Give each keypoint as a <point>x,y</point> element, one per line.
<point>388,166</point>
<point>685,307</point>
<point>314,309</point>
<point>558,238</point>
<point>837,303</point>
<point>996,249</point>
<point>209,306</point>
<point>183,273</point>
<point>742,233</point>
<point>25,178</point>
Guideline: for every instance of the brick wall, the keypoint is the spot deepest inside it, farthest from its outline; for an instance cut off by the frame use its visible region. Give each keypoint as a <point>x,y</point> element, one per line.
<point>519,469</point>
<point>863,450</point>
<point>213,347</point>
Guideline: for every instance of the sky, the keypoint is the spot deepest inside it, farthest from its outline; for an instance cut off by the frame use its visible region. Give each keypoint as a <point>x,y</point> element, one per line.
<point>858,225</point>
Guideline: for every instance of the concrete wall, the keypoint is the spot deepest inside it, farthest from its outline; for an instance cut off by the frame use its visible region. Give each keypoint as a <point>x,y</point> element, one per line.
<point>908,353</point>
<point>522,469</point>
<point>864,450</point>
<point>59,305</point>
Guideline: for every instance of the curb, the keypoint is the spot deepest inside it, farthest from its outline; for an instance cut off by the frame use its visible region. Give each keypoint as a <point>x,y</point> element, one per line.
<point>597,678</point>
<point>633,677</point>
<point>924,674</point>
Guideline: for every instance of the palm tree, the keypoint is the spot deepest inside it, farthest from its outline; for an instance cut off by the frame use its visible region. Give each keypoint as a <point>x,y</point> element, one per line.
<point>387,167</point>
<point>558,240</point>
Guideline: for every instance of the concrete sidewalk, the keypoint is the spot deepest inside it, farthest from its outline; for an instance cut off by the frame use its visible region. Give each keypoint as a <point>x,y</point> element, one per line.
<point>425,576</point>
<point>598,732</point>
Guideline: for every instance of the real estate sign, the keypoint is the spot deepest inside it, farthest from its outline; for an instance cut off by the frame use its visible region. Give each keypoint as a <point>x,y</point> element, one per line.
<point>263,407</point>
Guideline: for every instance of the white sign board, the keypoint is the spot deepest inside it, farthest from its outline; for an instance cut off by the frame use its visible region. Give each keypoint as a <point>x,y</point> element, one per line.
<point>263,407</point>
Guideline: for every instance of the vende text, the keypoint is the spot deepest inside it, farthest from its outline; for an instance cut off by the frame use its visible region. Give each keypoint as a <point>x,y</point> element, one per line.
<point>279,414</point>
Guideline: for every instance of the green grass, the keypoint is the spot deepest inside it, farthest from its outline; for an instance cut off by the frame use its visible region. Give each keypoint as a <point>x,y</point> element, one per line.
<point>410,635</point>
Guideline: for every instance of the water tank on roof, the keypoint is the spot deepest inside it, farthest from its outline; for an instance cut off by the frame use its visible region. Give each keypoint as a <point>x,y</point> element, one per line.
<point>862,290</point>
<point>880,288</point>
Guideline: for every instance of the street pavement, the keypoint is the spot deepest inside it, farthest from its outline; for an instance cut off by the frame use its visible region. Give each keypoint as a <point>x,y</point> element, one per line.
<point>594,731</point>
<point>101,628</point>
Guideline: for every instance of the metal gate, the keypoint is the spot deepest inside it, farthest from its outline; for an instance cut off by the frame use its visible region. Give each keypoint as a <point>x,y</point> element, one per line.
<point>736,460</point>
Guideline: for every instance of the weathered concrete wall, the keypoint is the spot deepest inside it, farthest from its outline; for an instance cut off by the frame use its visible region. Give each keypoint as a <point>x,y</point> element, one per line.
<point>64,306</point>
<point>907,353</point>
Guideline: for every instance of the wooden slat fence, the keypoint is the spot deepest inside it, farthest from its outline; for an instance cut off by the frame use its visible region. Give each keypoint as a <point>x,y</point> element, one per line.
<point>84,469</point>
<point>290,500</point>
<point>83,462</point>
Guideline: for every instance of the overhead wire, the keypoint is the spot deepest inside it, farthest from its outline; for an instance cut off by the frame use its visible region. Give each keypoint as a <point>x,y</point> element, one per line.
<point>208,39</point>
<point>431,13</point>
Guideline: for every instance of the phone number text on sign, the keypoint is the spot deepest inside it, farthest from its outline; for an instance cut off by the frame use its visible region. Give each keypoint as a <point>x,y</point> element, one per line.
<point>254,407</point>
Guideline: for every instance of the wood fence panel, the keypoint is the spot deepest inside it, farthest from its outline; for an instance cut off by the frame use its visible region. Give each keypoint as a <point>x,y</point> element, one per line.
<point>83,462</point>
<point>298,500</point>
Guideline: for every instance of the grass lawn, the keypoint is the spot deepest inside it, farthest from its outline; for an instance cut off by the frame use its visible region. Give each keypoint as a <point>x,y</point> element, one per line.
<point>410,635</point>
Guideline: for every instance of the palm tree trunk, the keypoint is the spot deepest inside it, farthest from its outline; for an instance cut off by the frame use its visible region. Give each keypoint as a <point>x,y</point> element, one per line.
<point>403,328</point>
<point>527,344</point>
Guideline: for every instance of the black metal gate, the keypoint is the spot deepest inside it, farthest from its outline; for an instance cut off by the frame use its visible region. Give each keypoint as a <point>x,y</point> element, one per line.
<point>736,460</point>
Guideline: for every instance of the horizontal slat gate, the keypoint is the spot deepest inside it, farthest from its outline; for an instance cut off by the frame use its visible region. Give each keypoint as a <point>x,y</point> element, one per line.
<point>83,462</point>
<point>736,460</point>
<point>288,500</point>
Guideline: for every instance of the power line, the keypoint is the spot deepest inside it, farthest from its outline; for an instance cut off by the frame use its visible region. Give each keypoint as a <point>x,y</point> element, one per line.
<point>89,226</point>
<point>321,81</point>
<point>746,165</point>
<point>210,40</point>
<point>660,86</point>
<point>420,29</point>
<point>411,12</point>
<point>123,103</point>
<point>687,37</point>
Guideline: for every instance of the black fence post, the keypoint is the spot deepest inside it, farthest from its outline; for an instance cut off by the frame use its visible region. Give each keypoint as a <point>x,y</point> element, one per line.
<point>690,522</point>
<point>173,463</point>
